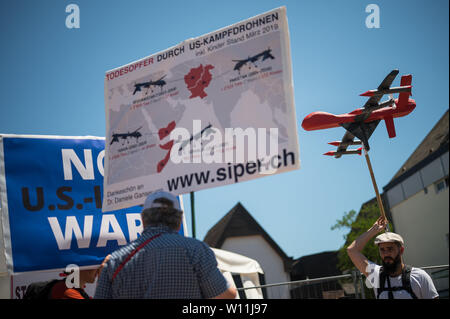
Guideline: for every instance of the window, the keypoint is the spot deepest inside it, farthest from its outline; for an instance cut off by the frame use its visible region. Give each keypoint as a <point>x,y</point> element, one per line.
<point>432,172</point>
<point>412,185</point>
<point>441,185</point>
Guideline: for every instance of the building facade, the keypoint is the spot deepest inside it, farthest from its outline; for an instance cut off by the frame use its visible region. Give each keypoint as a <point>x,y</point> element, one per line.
<point>240,233</point>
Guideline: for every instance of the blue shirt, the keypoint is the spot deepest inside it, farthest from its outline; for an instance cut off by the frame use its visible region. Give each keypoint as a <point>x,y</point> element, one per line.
<point>170,266</point>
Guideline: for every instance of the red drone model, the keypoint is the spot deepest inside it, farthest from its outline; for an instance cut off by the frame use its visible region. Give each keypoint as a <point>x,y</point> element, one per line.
<point>362,122</point>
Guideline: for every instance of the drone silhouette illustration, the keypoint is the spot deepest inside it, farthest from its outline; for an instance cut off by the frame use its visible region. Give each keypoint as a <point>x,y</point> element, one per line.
<point>160,82</point>
<point>266,54</point>
<point>205,132</point>
<point>124,136</point>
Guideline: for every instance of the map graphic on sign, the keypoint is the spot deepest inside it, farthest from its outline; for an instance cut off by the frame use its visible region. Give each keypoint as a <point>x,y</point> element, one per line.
<point>197,80</point>
<point>236,77</point>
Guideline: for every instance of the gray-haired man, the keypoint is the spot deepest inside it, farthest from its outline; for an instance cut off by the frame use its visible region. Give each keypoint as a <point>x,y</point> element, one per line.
<point>161,263</point>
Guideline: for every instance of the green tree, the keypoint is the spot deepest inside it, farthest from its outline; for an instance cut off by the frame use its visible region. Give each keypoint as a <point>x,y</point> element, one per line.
<point>357,225</point>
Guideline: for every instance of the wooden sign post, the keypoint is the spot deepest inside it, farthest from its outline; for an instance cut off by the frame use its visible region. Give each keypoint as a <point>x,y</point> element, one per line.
<point>380,203</point>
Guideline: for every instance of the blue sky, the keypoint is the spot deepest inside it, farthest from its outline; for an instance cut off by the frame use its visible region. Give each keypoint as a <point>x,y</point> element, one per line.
<point>52,83</point>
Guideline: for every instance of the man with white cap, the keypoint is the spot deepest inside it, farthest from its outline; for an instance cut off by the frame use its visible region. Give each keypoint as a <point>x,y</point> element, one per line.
<point>161,263</point>
<point>394,279</point>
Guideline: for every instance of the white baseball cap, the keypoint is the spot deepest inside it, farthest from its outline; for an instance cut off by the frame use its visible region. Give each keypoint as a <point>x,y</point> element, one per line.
<point>389,237</point>
<point>150,200</point>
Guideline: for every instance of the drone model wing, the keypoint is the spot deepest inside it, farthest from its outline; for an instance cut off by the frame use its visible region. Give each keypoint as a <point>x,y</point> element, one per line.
<point>346,141</point>
<point>376,95</point>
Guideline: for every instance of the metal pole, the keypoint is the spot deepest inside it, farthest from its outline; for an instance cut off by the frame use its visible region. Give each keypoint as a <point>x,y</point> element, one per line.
<point>299,282</point>
<point>355,283</point>
<point>361,285</point>
<point>193,214</point>
<point>380,203</point>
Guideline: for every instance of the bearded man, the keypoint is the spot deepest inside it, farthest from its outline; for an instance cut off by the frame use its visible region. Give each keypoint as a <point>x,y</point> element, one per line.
<point>394,279</point>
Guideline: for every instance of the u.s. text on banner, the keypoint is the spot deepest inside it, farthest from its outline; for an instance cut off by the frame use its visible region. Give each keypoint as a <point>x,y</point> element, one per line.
<point>51,204</point>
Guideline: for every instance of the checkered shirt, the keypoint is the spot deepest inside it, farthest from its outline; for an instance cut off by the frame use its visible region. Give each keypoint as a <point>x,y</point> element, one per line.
<point>170,266</point>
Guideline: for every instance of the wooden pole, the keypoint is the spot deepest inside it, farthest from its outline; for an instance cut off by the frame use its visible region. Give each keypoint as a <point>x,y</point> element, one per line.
<point>380,203</point>
<point>193,214</point>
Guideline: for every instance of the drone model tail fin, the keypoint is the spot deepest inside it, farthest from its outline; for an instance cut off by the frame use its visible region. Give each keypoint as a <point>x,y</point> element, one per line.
<point>404,96</point>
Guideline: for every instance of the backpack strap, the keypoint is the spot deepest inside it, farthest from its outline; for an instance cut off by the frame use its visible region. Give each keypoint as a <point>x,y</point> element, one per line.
<point>406,281</point>
<point>390,289</point>
<point>142,245</point>
<point>382,280</point>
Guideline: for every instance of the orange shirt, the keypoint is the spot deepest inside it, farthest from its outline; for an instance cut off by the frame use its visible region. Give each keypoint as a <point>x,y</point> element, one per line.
<point>60,291</point>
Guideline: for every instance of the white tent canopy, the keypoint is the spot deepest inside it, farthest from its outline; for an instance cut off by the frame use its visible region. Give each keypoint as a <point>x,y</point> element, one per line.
<point>240,271</point>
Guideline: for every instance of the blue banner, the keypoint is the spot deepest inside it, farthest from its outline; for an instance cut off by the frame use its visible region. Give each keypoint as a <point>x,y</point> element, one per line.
<point>54,192</point>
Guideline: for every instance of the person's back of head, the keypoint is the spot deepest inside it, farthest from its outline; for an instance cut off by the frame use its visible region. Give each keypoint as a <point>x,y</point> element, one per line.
<point>162,209</point>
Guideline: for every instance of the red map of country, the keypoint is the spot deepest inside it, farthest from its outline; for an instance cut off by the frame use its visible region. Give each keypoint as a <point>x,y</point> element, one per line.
<point>197,80</point>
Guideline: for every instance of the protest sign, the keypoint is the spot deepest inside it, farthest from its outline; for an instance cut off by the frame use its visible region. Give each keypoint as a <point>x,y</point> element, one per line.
<point>51,201</point>
<point>211,111</point>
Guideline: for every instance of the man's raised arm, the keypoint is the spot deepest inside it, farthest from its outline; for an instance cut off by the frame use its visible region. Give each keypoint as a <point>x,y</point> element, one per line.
<point>354,251</point>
